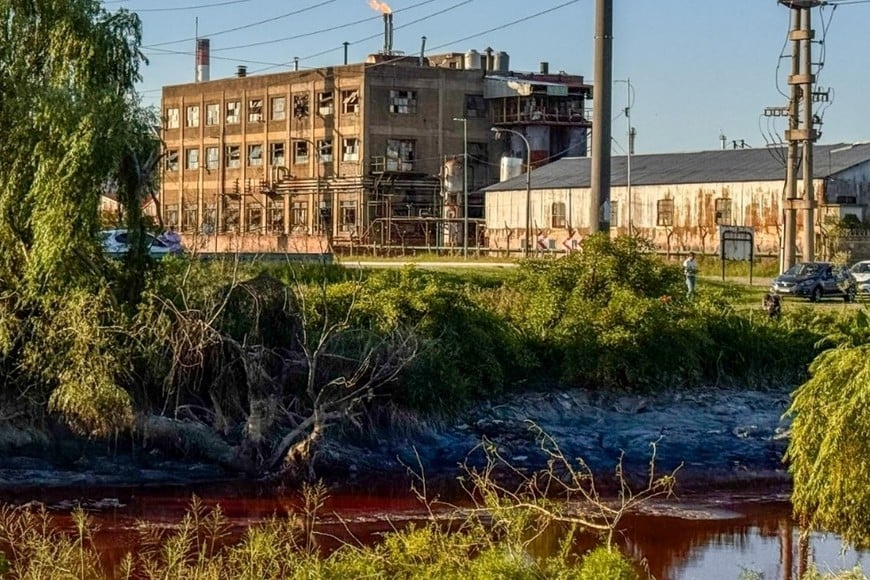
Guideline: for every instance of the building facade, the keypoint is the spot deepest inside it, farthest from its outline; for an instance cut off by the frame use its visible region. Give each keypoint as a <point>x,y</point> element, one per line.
<point>679,200</point>
<point>361,156</point>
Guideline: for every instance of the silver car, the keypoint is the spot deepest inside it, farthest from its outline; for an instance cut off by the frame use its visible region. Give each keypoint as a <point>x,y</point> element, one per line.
<point>861,272</point>
<point>116,244</point>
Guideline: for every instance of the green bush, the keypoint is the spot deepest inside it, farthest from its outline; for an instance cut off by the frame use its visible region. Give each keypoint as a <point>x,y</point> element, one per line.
<point>606,563</point>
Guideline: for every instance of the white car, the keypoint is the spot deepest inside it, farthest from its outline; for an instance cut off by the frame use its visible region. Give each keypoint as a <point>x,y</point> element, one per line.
<point>861,272</point>
<point>116,243</point>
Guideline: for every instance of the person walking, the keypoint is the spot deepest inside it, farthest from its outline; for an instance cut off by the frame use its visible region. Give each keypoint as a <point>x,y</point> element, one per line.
<point>690,270</point>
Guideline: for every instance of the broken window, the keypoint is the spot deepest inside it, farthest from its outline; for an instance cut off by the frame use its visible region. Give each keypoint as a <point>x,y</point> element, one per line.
<point>723,212</point>
<point>171,215</point>
<point>234,112</point>
<point>665,212</point>
<point>255,217</point>
<point>300,152</point>
<point>255,111</point>
<point>275,216</point>
<point>233,156</point>
<point>614,214</point>
<point>213,114</point>
<point>278,108</point>
<point>557,215</point>
<point>189,218</point>
<point>350,102</point>
<point>209,218</point>
<point>276,154</point>
<point>191,159</point>
<point>172,118</point>
<point>255,155</point>
<point>231,215</point>
<point>325,104</point>
<point>324,150</point>
<point>348,216</point>
<point>192,117</point>
<point>403,102</point>
<point>211,157</point>
<point>350,149</point>
<point>400,154</point>
<point>299,216</point>
<point>475,107</point>
<point>300,106</point>
<point>172,159</point>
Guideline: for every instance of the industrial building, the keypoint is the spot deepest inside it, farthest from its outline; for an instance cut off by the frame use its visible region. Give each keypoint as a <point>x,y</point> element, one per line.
<point>678,200</point>
<point>373,156</point>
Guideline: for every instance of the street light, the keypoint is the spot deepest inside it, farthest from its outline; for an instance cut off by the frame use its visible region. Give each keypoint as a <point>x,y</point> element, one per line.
<point>464,185</point>
<point>630,148</point>
<point>498,130</point>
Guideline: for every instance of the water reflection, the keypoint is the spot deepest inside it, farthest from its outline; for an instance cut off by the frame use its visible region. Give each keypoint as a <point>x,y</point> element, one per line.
<point>696,538</point>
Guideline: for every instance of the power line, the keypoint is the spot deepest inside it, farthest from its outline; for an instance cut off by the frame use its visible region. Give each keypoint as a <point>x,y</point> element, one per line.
<point>198,7</point>
<point>244,26</point>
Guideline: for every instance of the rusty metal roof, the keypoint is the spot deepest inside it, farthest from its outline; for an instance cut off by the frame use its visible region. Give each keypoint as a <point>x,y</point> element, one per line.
<point>718,166</point>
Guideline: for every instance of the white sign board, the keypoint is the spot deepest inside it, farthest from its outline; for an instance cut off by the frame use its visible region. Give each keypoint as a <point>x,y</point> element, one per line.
<point>736,242</point>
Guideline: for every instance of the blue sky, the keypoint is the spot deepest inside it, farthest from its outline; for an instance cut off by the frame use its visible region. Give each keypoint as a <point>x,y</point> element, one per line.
<point>699,68</point>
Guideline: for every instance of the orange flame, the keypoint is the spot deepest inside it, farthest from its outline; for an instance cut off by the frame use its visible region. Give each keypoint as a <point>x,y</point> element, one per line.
<point>382,7</point>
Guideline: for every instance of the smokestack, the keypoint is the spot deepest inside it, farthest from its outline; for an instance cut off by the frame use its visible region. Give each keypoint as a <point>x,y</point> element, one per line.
<point>296,63</point>
<point>388,33</point>
<point>346,44</point>
<point>422,51</point>
<point>545,68</point>
<point>202,59</point>
<point>241,71</point>
<point>390,18</point>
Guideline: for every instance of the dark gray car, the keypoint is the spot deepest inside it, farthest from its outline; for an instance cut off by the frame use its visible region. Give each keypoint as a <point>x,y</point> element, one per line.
<point>814,281</point>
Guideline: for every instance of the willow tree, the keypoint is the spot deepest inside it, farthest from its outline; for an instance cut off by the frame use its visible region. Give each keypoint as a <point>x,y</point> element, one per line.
<point>67,72</point>
<point>829,451</point>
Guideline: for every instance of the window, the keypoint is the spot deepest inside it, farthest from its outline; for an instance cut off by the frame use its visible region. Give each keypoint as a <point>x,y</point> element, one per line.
<point>400,154</point>
<point>255,111</point>
<point>189,218</point>
<point>275,216</point>
<point>278,109</point>
<point>300,152</point>
<point>209,218</point>
<point>171,215</point>
<point>299,216</point>
<point>231,215</point>
<point>255,155</point>
<point>172,159</point>
<point>325,104</point>
<point>665,212</point>
<point>350,102</point>
<point>614,214</point>
<point>723,212</point>
<point>255,217</point>
<point>192,118</point>
<point>324,149</point>
<point>300,106</point>
<point>475,107</point>
<point>212,114</point>
<point>276,154</point>
<point>211,157</point>
<point>557,213</point>
<point>234,116</point>
<point>403,102</point>
<point>233,156</point>
<point>172,118</point>
<point>350,149</point>
<point>191,159</point>
<point>348,216</point>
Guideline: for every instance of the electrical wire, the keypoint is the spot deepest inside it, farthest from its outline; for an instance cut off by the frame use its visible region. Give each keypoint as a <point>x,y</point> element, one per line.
<point>197,7</point>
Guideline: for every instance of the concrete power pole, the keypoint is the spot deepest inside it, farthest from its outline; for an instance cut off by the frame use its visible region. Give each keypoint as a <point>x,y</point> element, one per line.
<point>601,111</point>
<point>800,132</point>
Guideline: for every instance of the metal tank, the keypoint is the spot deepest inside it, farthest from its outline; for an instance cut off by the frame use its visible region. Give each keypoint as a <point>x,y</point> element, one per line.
<point>509,168</point>
<point>472,60</point>
<point>502,62</point>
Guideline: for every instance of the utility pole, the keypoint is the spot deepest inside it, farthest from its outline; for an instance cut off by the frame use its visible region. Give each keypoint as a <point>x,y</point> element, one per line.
<point>601,111</point>
<point>800,132</point>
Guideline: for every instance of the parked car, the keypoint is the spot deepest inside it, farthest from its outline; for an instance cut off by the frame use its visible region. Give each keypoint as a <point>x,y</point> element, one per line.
<point>116,243</point>
<point>814,281</point>
<point>861,272</point>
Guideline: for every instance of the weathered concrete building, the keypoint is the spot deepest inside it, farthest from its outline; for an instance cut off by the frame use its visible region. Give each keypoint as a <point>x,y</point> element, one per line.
<point>363,155</point>
<point>679,200</point>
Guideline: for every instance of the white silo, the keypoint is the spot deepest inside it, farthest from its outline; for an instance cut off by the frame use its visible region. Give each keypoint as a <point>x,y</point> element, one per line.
<point>502,62</point>
<point>472,60</point>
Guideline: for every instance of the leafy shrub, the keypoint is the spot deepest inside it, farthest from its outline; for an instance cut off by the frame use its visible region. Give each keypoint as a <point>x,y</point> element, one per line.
<point>603,562</point>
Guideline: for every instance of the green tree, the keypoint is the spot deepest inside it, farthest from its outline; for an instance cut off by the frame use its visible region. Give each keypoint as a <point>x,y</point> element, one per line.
<point>829,448</point>
<point>67,69</point>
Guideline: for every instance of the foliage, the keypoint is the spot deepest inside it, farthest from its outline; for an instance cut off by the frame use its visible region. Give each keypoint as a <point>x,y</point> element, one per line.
<point>829,444</point>
<point>604,562</point>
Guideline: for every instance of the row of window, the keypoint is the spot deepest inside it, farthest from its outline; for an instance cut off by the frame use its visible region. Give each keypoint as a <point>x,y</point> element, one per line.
<point>188,221</point>
<point>254,154</point>
<point>664,213</point>
<point>399,154</point>
<point>401,102</point>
